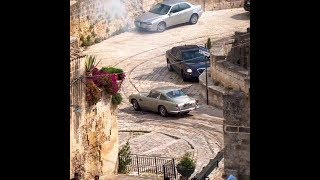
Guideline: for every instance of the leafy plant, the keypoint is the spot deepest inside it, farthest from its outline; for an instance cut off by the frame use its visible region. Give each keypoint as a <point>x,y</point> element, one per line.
<point>112,70</point>
<point>90,63</point>
<point>105,80</point>
<point>124,158</point>
<point>116,99</point>
<point>187,162</point>
<point>93,93</point>
<point>93,34</point>
<point>87,41</point>
<point>98,39</point>
<point>208,44</point>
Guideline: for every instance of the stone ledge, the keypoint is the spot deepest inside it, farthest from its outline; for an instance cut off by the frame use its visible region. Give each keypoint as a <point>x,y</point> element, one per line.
<point>215,93</point>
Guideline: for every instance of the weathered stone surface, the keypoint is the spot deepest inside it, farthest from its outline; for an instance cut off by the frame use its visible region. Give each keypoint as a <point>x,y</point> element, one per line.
<point>90,127</point>
<point>236,109</point>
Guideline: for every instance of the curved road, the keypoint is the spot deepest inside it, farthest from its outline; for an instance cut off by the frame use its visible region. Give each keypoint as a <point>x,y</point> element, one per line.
<point>141,56</point>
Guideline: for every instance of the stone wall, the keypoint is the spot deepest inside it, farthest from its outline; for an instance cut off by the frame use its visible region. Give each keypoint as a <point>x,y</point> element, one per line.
<point>104,18</point>
<point>236,111</point>
<point>210,5</point>
<point>93,130</point>
<point>225,56</point>
<point>215,93</point>
<point>230,75</point>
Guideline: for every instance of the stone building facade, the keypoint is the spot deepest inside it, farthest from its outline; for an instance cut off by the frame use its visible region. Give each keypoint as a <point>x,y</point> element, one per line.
<point>229,89</point>
<point>230,67</point>
<point>101,19</point>
<point>93,130</point>
<point>236,112</point>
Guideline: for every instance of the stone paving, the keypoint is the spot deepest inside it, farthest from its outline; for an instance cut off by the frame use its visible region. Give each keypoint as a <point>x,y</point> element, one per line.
<point>142,56</point>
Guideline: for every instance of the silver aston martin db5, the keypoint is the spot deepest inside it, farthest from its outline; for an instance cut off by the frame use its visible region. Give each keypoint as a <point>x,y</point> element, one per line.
<point>165,100</point>
<point>168,13</point>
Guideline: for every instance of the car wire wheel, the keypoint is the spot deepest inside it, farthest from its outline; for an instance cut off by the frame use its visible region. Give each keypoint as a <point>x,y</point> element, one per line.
<point>135,105</point>
<point>163,111</point>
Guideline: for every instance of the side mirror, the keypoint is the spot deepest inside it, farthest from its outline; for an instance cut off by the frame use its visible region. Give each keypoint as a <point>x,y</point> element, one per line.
<point>170,13</point>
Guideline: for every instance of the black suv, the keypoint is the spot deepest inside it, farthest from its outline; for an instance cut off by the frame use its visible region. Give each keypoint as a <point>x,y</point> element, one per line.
<point>186,61</point>
<point>246,5</point>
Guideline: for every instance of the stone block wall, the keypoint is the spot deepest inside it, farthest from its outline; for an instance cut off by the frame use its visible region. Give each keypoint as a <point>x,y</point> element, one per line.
<point>93,130</point>
<point>215,93</point>
<point>210,5</point>
<point>236,111</point>
<point>230,75</point>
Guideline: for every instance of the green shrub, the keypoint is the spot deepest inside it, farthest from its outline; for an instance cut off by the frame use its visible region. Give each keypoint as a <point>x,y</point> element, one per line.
<point>93,34</point>
<point>124,158</point>
<point>209,44</point>
<point>187,162</point>
<point>87,41</point>
<point>112,70</point>
<point>116,99</point>
<point>97,40</point>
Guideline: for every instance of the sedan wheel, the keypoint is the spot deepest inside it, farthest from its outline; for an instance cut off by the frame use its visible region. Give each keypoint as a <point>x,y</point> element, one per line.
<point>194,19</point>
<point>161,27</point>
<point>163,111</point>
<point>135,105</point>
<point>183,75</point>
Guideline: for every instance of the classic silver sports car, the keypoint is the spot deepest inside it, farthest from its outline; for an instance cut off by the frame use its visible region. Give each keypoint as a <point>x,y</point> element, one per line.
<point>168,13</point>
<point>165,100</point>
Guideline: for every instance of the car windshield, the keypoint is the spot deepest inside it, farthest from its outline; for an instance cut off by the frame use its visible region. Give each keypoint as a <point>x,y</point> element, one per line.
<point>175,94</point>
<point>161,9</point>
<point>193,56</point>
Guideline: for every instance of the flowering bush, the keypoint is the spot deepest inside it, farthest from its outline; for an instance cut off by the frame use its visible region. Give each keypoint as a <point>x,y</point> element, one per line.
<point>105,80</point>
<point>93,93</point>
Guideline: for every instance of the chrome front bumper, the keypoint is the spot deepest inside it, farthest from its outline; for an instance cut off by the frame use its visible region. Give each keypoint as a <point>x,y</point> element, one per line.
<point>183,110</point>
<point>141,25</point>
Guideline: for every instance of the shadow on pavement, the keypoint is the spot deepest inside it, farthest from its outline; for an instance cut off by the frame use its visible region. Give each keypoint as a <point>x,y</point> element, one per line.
<point>145,115</point>
<point>242,16</point>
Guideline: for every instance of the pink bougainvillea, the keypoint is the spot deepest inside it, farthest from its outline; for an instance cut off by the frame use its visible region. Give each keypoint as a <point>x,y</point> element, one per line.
<point>105,80</point>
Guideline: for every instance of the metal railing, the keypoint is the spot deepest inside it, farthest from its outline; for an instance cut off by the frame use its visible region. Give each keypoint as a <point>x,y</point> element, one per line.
<point>149,164</point>
<point>214,163</point>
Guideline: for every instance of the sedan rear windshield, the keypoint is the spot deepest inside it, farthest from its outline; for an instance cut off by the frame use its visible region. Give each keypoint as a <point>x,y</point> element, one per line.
<point>175,93</point>
<point>161,9</point>
<point>192,56</point>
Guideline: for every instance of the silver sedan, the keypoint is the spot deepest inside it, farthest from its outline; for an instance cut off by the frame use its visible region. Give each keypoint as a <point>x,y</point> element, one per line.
<point>168,13</point>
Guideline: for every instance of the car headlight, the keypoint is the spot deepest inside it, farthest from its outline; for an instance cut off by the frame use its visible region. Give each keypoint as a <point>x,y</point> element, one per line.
<point>189,70</point>
<point>149,23</point>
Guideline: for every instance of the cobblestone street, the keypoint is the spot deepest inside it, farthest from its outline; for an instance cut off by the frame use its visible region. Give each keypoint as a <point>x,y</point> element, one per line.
<point>142,56</point>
